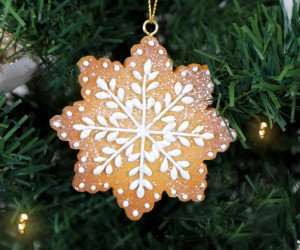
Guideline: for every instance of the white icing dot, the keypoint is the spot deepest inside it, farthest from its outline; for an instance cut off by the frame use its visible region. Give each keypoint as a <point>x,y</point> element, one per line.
<point>117,68</point>
<point>151,43</point>
<point>85,79</point>
<point>201,170</point>
<point>207,72</point>
<point>210,85</point>
<point>223,146</point>
<point>183,73</point>
<point>106,185</point>
<point>83,159</point>
<point>233,134</point>
<point>132,64</point>
<point>199,197</point>
<point>81,108</point>
<point>156,196</point>
<point>214,114</point>
<point>184,196</point>
<point>105,65</point>
<point>81,185</point>
<point>86,63</point>
<point>147,205</point>
<point>93,187</point>
<point>76,144</point>
<point>168,64</point>
<point>173,191</point>
<point>69,113</point>
<point>139,51</point>
<point>56,124</point>
<point>87,91</point>
<point>125,204</point>
<point>223,123</point>
<point>210,154</point>
<point>120,191</point>
<point>161,51</point>
<point>64,135</point>
<point>80,169</point>
<point>203,185</point>
<point>195,69</point>
<point>135,213</point>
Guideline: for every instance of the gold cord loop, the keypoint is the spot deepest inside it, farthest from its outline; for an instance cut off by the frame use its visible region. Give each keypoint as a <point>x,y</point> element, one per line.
<point>145,27</point>
<point>151,19</point>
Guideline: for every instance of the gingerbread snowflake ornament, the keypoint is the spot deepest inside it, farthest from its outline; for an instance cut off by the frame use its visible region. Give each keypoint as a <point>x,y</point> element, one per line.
<point>143,128</point>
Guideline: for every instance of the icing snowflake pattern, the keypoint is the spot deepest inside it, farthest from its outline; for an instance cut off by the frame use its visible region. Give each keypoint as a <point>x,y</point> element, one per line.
<point>143,128</point>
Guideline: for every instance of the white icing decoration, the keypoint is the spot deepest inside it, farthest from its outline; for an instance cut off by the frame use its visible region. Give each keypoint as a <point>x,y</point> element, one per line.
<point>64,135</point>
<point>100,135</point>
<point>157,107</point>
<point>99,159</point>
<point>152,86</point>
<point>69,113</point>
<point>156,196</point>
<point>201,170</point>
<point>56,124</point>
<point>178,88</point>
<point>83,159</point>
<point>108,170</point>
<point>102,95</point>
<point>81,108</point>
<point>112,136</point>
<point>111,105</point>
<point>199,142</point>
<point>150,103</point>
<point>175,152</point>
<point>108,150</point>
<point>177,109</point>
<point>112,84</point>
<point>223,146</point>
<point>164,166</point>
<point>147,205</point>
<point>125,204</point>
<point>139,51</point>
<point>207,72</point>
<point>93,188</point>
<point>187,89</point>
<point>207,136</point>
<point>210,154</point>
<point>102,84</point>
<point>168,64</point>
<point>106,185</point>
<point>161,52</point>
<point>203,185</point>
<point>183,73</point>
<point>184,164</point>
<point>135,213</point>
<point>168,99</point>
<point>134,171</point>
<point>76,144</point>
<point>81,170</point>
<point>184,197</point>
<point>85,79</point>
<point>174,174</point>
<point>136,88</point>
<point>105,65</point>
<point>199,197</point>
<point>195,69</point>
<point>116,67</point>
<point>137,75</point>
<point>136,103</point>
<point>132,64</point>
<point>118,161</point>
<point>87,92</point>
<point>187,100</point>
<point>223,124</point>
<point>184,141</point>
<point>153,75</point>
<point>85,63</point>
<point>173,192</point>
<point>121,94</point>
<point>81,185</point>
<point>168,119</point>
<point>147,67</point>
<point>120,191</point>
<point>210,85</point>
<point>88,121</point>
<point>151,42</point>
<point>184,126</point>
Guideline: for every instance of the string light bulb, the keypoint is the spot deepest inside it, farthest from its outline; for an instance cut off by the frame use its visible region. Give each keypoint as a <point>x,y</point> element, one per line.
<point>262,130</point>
<point>22,223</point>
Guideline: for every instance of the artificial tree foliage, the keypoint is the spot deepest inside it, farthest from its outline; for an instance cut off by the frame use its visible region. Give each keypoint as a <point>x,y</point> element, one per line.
<point>252,200</point>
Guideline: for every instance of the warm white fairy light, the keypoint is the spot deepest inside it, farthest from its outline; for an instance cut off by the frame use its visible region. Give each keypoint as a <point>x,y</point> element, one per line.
<point>22,223</point>
<point>262,130</point>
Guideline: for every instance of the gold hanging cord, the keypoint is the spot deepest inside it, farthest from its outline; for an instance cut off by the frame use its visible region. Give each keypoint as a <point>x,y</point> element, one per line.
<point>151,19</point>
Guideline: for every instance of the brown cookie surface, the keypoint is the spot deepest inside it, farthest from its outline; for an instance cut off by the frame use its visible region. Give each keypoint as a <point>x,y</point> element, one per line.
<point>143,128</point>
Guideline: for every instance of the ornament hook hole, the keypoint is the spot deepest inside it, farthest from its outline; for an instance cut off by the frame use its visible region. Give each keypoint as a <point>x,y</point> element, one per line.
<point>145,27</point>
